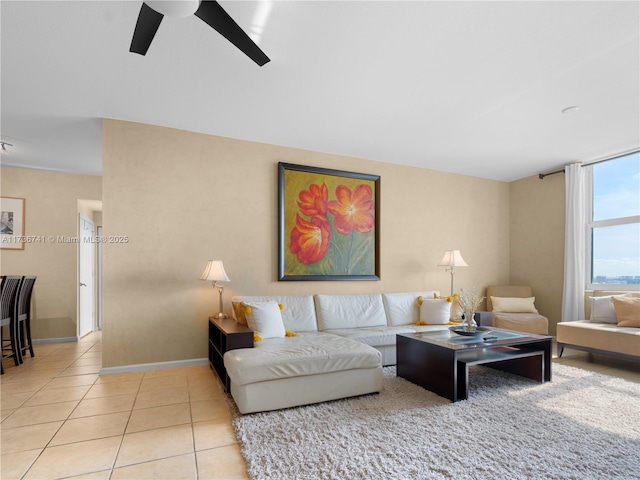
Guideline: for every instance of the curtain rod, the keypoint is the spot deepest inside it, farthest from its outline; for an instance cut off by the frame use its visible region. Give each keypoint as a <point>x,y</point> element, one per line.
<point>542,175</point>
<point>595,162</point>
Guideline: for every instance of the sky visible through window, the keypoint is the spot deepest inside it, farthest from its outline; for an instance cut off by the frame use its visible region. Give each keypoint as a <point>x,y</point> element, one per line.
<point>616,194</point>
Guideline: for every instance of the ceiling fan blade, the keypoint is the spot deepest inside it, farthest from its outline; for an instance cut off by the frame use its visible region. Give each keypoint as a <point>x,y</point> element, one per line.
<point>146,28</point>
<point>214,15</point>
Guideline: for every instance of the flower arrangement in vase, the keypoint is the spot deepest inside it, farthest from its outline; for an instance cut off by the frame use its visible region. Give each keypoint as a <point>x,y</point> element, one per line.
<point>469,301</point>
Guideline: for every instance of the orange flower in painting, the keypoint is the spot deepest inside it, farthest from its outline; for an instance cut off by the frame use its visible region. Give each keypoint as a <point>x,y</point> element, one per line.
<point>353,210</point>
<point>310,240</point>
<point>313,202</point>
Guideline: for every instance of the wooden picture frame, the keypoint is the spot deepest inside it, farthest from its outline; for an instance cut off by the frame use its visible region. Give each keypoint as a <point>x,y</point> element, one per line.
<point>328,224</point>
<point>12,223</point>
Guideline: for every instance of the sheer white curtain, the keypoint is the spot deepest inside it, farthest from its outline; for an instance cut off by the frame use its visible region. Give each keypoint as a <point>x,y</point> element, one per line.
<point>574,243</point>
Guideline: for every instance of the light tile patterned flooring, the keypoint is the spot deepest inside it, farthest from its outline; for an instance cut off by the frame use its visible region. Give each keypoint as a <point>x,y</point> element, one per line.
<point>61,419</point>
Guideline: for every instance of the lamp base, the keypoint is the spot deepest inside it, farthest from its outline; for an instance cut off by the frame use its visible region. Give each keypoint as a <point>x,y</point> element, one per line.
<point>221,315</point>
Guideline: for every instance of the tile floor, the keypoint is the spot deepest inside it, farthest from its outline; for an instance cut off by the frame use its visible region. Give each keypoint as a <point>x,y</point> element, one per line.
<point>61,419</point>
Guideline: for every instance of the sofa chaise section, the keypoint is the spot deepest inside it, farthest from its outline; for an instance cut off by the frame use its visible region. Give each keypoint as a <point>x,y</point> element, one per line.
<point>312,367</point>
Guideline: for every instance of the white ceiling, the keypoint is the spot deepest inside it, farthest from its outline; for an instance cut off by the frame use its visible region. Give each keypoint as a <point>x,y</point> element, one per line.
<point>468,87</point>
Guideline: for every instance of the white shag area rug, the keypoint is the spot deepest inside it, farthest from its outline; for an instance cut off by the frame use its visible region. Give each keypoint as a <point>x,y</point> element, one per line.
<point>582,425</point>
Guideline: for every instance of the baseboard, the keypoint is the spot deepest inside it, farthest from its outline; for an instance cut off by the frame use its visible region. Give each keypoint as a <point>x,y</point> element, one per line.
<point>37,341</point>
<point>143,367</point>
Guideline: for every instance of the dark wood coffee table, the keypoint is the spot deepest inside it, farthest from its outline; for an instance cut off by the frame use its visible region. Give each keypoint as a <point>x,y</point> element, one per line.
<point>439,361</point>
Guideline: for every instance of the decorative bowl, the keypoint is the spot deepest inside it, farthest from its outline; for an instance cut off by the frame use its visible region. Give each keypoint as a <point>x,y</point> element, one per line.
<point>461,330</point>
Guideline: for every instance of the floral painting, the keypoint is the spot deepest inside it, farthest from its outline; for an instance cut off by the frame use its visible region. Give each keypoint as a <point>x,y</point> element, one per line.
<point>328,224</point>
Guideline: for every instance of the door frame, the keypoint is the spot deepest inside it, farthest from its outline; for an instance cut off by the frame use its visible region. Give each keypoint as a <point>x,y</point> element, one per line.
<point>81,244</point>
<point>98,280</point>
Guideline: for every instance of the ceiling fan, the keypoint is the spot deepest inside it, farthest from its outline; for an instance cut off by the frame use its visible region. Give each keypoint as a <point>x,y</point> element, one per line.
<point>210,12</point>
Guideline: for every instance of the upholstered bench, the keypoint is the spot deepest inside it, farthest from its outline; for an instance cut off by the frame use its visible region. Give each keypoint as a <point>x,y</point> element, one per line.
<point>603,338</point>
<point>603,333</point>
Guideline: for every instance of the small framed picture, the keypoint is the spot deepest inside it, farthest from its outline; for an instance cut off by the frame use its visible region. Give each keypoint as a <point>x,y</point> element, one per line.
<point>12,223</point>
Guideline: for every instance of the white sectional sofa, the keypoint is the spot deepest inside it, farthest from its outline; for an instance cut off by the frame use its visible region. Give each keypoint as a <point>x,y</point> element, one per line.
<point>341,345</point>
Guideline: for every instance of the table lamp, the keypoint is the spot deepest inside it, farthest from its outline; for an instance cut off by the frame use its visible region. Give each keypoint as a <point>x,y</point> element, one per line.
<point>214,273</point>
<point>452,259</point>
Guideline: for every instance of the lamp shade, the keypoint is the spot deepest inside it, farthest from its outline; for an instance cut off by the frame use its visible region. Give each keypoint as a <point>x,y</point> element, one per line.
<point>214,272</point>
<point>452,258</point>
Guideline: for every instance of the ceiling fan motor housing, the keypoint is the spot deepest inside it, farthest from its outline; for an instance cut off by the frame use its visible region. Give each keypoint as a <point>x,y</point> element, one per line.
<point>175,8</point>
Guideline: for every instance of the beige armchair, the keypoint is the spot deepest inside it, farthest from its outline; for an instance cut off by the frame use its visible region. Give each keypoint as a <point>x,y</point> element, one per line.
<point>513,309</point>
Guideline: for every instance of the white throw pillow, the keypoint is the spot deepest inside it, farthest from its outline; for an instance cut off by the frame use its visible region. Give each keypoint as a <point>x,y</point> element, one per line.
<point>265,319</point>
<point>298,314</point>
<point>514,304</point>
<point>435,311</point>
<point>602,309</point>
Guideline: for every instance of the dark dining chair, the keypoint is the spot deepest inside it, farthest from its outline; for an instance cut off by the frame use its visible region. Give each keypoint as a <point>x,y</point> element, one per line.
<point>24,315</point>
<point>9,319</point>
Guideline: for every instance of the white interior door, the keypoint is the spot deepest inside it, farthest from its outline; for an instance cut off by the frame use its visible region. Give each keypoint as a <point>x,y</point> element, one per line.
<point>86,288</point>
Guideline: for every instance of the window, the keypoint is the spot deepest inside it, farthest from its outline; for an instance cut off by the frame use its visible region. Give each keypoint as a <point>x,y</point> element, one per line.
<point>613,239</point>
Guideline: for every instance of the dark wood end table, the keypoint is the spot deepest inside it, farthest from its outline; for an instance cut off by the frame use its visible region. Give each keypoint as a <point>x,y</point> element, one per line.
<point>226,334</point>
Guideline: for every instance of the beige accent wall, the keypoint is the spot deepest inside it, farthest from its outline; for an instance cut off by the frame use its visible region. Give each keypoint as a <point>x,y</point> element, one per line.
<point>183,198</point>
<point>51,211</point>
<point>537,241</point>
